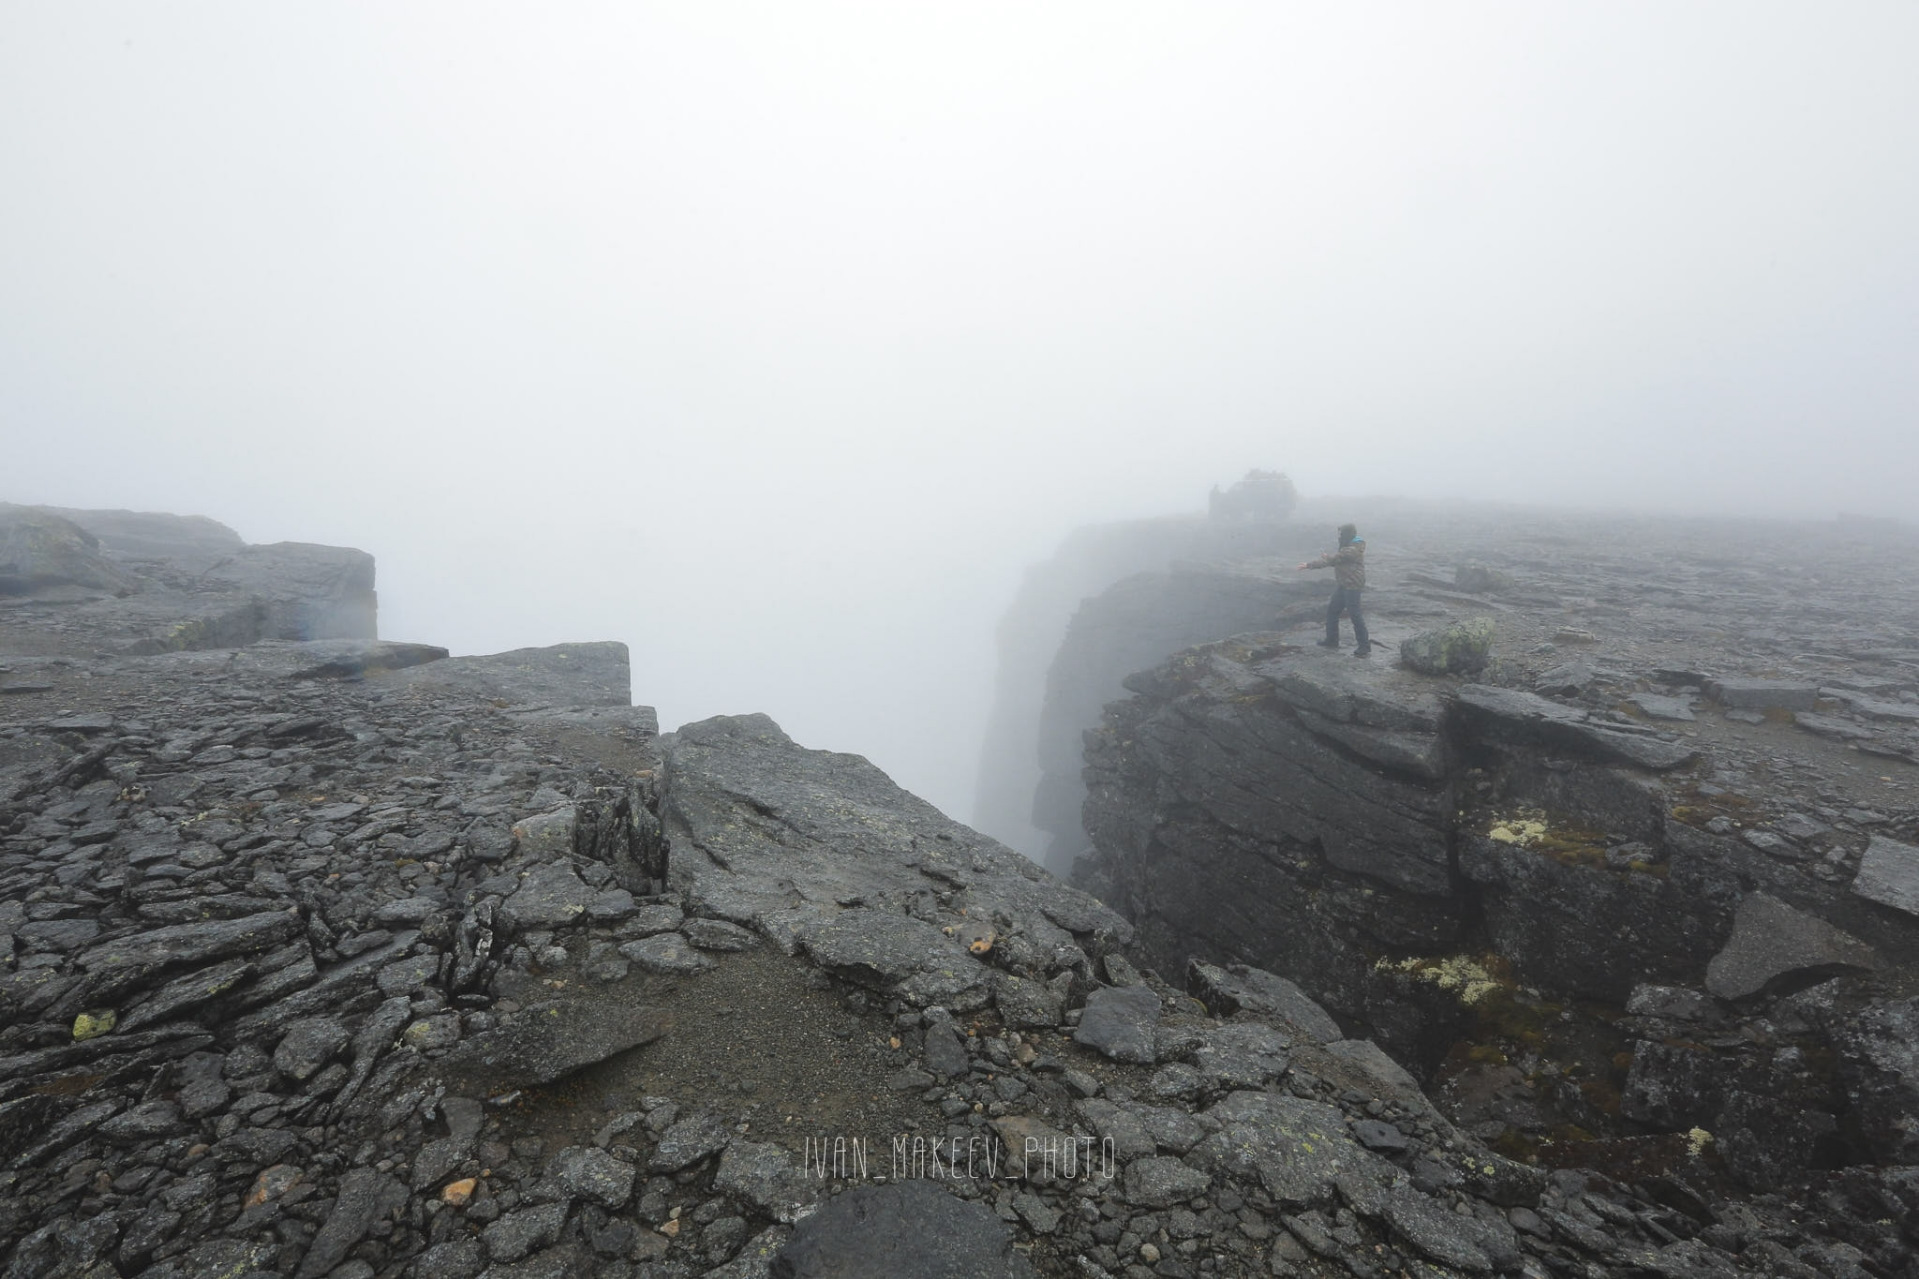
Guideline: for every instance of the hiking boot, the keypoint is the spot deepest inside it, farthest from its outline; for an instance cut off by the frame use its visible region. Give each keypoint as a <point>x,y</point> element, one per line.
<point>1362,652</point>
<point>1327,643</point>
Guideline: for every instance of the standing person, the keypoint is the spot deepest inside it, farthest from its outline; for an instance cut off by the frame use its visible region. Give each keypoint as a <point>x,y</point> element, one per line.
<point>1349,574</point>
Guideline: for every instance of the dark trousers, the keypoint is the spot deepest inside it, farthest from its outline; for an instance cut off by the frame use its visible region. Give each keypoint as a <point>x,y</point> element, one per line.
<point>1347,600</point>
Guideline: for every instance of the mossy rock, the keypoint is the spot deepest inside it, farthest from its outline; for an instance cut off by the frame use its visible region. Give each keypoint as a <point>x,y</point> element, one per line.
<point>1460,649</point>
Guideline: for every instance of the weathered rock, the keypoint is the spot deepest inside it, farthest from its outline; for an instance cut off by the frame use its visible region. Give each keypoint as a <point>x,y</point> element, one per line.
<point>1239,988</point>
<point>1763,694</point>
<point>1657,706</point>
<point>549,896</point>
<point>1772,943</point>
<point>765,1176</point>
<point>1160,1182</point>
<point>1120,1022</point>
<point>1298,1151</point>
<point>130,962</point>
<point>1462,648</point>
<point>585,1172</point>
<point>309,1043</point>
<point>519,1232</point>
<point>40,549</point>
<point>364,1195</point>
<point>1889,874</point>
<point>1879,1052</point>
<point>1244,1055</point>
<point>547,835</point>
<point>666,953</point>
<point>912,1228</point>
<point>802,846</point>
<point>549,1041</point>
<point>1519,716</point>
<point>688,1141</point>
<point>558,675</point>
<point>1481,579</point>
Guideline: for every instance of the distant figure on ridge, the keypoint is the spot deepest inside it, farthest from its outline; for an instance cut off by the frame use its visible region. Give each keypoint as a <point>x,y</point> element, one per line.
<point>1349,573</point>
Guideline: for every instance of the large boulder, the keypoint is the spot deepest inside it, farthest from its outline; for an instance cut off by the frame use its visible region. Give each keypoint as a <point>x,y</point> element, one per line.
<point>1774,945</point>
<point>1462,648</point>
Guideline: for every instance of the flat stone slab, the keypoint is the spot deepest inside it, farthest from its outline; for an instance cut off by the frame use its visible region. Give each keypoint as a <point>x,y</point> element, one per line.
<point>1508,712</point>
<point>878,947</point>
<point>1771,941</point>
<point>549,1041</point>
<point>912,1228</point>
<point>1889,874</point>
<point>1658,706</point>
<point>550,895</point>
<point>1829,726</point>
<point>666,953</point>
<point>1121,1022</point>
<point>1298,1151</point>
<point>131,961</point>
<point>1244,988</point>
<point>595,674</point>
<point>1763,694</point>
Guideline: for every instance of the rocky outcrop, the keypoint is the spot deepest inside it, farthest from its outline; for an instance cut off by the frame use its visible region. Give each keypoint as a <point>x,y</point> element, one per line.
<point>311,965</point>
<point>1494,882</point>
<point>140,583</point>
<point>1029,641</point>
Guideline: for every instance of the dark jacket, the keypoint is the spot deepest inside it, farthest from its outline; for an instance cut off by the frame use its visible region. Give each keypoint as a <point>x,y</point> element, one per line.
<point>1348,564</point>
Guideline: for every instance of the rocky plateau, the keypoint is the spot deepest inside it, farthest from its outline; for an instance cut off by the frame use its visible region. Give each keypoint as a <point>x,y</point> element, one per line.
<point>323,955</point>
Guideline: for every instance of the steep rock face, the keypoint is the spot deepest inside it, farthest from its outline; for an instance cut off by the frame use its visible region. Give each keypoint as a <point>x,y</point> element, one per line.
<point>1132,625</point>
<point>1033,627</point>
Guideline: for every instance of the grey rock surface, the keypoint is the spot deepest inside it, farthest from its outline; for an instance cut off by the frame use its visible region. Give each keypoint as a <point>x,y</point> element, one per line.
<point>1771,942</point>
<point>911,1229</point>
<point>1462,648</point>
<point>551,1040</point>
<point>1889,874</point>
<point>1121,1022</point>
<point>559,675</point>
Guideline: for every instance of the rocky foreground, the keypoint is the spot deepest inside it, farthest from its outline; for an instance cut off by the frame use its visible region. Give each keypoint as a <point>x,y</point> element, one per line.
<point>345,958</point>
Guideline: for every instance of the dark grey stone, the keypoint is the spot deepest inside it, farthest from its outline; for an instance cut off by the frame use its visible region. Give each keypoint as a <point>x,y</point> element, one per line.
<point>129,962</point>
<point>519,1232</point>
<point>549,896</point>
<point>1254,990</point>
<point>309,1043</point>
<point>1120,1022</point>
<point>364,1195</point>
<point>586,1172</point>
<point>912,1229</point>
<point>1889,874</point>
<point>688,1141</point>
<point>717,934</point>
<point>944,1053</point>
<point>666,953</point>
<point>1772,943</point>
<point>549,1041</point>
<point>1160,1182</point>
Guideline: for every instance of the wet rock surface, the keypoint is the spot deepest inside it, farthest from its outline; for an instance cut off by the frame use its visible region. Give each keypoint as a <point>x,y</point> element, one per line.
<point>312,968</point>
<point>1649,905</point>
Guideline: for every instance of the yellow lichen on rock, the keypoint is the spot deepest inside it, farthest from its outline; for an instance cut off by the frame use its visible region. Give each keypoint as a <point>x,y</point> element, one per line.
<point>89,1025</point>
<point>1461,975</point>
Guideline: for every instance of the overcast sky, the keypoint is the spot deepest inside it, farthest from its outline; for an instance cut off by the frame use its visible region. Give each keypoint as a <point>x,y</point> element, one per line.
<point>776,339</point>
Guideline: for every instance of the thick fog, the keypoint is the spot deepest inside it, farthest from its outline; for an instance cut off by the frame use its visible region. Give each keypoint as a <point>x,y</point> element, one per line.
<point>776,340</point>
